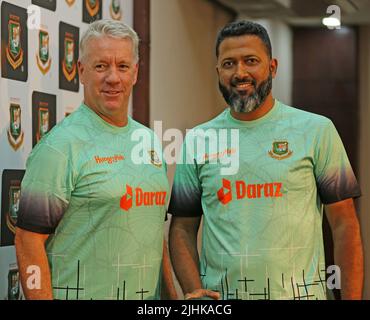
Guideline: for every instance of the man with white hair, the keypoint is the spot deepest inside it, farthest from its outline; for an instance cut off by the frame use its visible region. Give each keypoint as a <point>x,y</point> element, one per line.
<point>86,229</point>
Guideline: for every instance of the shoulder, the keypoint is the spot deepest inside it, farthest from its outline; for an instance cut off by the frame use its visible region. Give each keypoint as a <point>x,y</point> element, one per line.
<point>138,129</point>
<point>137,125</point>
<point>64,134</point>
<point>206,128</point>
<point>304,118</point>
<point>215,123</point>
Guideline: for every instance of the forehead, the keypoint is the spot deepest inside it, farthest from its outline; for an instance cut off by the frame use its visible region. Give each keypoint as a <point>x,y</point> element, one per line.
<point>105,46</point>
<point>242,46</point>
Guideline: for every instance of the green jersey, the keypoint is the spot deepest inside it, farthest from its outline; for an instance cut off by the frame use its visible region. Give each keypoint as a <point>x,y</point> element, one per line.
<point>262,224</point>
<point>104,211</point>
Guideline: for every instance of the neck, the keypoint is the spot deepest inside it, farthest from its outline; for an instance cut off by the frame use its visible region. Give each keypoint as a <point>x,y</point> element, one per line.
<point>255,114</point>
<point>118,119</point>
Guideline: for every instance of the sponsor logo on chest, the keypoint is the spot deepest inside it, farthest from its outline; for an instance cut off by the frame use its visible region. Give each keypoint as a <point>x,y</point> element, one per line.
<point>109,159</point>
<point>140,198</point>
<point>242,190</point>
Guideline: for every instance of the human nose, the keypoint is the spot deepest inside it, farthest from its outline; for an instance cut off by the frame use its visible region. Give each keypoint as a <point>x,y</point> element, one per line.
<point>241,70</point>
<point>113,75</point>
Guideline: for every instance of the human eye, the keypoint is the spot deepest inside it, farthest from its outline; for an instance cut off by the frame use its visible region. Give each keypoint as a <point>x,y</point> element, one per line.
<point>227,64</point>
<point>100,67</point>
<point>251,60</point>
<point>123,66</point>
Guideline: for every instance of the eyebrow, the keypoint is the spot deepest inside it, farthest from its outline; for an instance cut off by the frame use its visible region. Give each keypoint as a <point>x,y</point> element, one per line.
<point>104,60</point>
<point>247,56</point>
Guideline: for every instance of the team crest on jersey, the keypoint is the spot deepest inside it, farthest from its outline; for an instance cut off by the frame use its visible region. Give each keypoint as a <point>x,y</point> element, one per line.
<point>92,7</point>
<point>15,133</point>
<point>69,63</point>
<point>280,150</point>
<point>154,159</point>
<point>43,123</point>
<point>14,51</point>
<point>43,56</point>
<point>14,197</point>
<point>70,2</point>
<point>115,9</point>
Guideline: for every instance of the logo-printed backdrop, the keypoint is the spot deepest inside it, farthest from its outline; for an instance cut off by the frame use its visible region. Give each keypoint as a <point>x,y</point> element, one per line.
<point>39,87</point>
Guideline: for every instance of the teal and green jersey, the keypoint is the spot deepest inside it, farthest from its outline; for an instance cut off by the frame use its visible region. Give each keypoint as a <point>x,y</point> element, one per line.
<point>262,222</point>
<point>104,212</point>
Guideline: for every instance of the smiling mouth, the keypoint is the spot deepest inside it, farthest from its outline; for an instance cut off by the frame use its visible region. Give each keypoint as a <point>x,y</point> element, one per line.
<point>111,93</point>
<point>244,85</point>
<point>244,88</point>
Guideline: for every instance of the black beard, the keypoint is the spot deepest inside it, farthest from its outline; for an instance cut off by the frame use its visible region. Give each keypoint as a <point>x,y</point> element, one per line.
<point>247,103</point>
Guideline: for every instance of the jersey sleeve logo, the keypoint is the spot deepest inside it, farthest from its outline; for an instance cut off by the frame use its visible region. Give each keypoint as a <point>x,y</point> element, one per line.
<point>280,150</point>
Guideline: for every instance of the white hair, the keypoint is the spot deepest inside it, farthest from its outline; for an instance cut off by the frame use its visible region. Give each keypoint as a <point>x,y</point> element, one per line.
<point>111,28</point>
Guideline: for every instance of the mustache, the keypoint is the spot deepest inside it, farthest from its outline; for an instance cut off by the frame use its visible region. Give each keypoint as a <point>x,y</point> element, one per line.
<point>246,103</point>
<point>235,81</point>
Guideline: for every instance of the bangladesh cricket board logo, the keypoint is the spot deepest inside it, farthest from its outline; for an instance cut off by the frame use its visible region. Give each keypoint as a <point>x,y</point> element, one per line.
<point>43,56</point>
<point>15,133</point>
<point>280,150</point>
<point>43,123</point>
<point>14,198</point>
<point>14,51</point>
<point>154,159</point>
<point>70,2</point>
<point>69,63</point>
<point>92,7</point>
<point>115,9</point>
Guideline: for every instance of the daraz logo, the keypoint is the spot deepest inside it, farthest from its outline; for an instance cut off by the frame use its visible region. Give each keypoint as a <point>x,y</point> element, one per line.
<point>225,193</point>
<point>250,191</point>
<point>142,198</point>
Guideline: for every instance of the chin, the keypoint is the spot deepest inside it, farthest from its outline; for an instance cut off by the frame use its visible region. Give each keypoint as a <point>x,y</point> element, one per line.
<point>111,108</point>
<point>112,104</point>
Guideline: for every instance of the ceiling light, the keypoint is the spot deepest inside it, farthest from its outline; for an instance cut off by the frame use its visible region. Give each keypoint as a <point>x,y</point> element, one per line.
<point>331,22</point>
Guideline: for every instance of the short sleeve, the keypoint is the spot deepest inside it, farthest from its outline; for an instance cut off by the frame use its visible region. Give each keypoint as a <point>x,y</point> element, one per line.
<point>45,190</point>
<point>186,190</point>
<point>334,175</point>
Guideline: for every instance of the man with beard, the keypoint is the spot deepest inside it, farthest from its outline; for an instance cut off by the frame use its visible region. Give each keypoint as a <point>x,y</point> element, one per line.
<point>262,224</point>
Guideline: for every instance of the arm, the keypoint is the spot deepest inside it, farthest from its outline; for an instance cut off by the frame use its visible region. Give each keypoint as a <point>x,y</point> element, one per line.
<point>347,247</point>
<point>30,251</point>
<point>169,290</point>
<point>184,255</point>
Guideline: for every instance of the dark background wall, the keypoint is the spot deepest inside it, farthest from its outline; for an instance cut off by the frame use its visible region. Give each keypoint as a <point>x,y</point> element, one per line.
<point>325,81</point>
